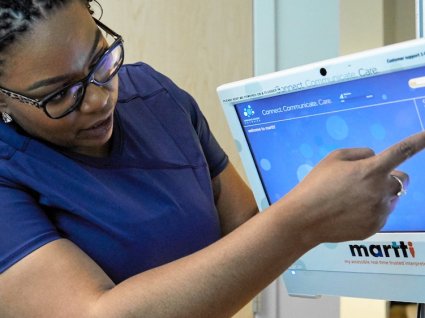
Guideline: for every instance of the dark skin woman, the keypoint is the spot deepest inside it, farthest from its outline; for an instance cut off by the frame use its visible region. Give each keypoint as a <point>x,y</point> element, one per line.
<point>61,80</point>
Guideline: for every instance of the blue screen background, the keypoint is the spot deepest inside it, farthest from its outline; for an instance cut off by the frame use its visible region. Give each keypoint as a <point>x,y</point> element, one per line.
<point>373,112</point>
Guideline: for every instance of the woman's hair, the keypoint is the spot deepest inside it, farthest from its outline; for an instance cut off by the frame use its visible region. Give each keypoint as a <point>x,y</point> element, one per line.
<point>17,16</point>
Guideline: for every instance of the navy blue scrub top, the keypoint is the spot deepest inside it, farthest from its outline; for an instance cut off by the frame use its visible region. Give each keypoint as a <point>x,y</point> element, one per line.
<point>146,204</point>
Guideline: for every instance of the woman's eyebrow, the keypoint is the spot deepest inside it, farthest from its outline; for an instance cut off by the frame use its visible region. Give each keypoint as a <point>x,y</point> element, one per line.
<point>61,78</point>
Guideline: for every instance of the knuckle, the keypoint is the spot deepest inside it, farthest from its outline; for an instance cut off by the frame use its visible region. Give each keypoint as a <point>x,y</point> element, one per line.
<point>406,149</point>
<point>336,153</point>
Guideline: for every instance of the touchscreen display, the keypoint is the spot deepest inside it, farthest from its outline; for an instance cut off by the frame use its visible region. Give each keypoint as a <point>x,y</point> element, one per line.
<point>289,134</point>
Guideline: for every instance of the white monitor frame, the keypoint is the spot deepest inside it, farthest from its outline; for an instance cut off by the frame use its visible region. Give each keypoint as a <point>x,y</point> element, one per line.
<point>324,270</point>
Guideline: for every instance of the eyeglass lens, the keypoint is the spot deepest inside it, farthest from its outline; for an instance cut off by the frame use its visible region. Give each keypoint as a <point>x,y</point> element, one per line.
<point>108,65</point>
<point>71,96</point>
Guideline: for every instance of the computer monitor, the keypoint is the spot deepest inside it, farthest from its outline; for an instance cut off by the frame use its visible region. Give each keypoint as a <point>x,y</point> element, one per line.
<point>284,123</point>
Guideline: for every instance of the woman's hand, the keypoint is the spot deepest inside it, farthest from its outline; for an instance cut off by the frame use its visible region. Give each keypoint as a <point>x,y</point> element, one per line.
<point>351,192</point>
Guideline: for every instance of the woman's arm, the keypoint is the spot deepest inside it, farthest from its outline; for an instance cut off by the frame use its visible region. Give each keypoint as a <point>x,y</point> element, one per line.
<point>59,280</point>
<point>347,196</point>
<point>234,200</point>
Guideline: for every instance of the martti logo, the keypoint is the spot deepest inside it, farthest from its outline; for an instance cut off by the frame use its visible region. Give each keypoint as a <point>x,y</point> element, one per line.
<point>394,249</point>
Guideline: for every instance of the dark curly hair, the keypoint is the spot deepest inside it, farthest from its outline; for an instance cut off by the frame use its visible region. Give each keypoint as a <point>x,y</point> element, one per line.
<point>16,17</point>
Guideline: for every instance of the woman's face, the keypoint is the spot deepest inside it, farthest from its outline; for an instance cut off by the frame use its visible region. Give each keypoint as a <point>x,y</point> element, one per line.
<point>57,51</point>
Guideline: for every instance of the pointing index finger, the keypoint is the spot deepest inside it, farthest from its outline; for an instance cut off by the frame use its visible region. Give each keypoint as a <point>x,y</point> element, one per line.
<point>393,156</point>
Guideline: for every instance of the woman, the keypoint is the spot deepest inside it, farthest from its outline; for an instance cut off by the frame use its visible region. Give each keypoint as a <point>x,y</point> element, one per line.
<point>118,202</point>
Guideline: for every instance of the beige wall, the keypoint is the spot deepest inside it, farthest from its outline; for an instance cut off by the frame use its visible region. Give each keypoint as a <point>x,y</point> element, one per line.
<point>200,44</point>
<point>367,24</point>
<point>361,25</point>
<point>399,20</point>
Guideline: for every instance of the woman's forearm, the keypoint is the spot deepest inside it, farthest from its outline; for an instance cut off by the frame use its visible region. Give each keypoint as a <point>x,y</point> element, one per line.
<point>218,280</point>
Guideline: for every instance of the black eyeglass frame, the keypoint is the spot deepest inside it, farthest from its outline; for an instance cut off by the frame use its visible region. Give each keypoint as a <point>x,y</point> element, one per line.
<point>89,79</point>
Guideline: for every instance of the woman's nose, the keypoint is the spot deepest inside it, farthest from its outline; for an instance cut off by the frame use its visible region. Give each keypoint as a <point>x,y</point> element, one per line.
<point>95,99</point>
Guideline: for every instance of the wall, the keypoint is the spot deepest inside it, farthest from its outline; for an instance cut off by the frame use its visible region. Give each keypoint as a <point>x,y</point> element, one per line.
<point>367,24</point>
<point>288,33</point>
<point>307,31</point>
<point>200,44</point>
<point>361,25</point>
<point>399,20</point>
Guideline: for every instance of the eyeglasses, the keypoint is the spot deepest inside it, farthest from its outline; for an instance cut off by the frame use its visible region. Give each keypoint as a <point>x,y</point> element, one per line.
<point>67,99</point>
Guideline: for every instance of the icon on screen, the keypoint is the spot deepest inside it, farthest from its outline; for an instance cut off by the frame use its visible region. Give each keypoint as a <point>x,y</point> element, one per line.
<point>417,82</point>
<point>248,111</point>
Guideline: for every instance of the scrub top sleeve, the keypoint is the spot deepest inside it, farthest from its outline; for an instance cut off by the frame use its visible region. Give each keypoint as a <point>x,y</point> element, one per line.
<point>215,156</point>
<point>24,227</point>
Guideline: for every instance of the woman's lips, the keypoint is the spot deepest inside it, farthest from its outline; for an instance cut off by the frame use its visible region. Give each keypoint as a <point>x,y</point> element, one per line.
<point>99,130</point>
<point>100,124</point>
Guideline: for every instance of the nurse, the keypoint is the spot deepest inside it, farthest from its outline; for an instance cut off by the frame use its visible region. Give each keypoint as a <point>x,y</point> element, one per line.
<point>116,199</point>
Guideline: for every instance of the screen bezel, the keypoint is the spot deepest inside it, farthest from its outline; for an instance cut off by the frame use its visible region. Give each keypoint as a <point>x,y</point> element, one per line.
<point>310,281</point>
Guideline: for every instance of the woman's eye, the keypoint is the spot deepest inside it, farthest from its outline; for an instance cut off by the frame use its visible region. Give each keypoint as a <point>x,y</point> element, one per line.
<point>59,96</point>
